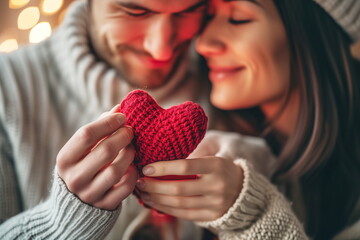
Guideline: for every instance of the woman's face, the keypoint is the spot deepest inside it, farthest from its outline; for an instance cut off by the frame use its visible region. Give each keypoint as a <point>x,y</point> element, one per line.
<point>246,49</point>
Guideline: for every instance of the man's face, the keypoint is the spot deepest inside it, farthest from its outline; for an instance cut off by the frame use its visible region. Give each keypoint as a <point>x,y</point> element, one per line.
<point>145,39</point>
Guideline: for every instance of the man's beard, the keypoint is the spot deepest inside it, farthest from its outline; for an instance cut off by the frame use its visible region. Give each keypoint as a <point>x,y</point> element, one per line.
<point>150,78</point>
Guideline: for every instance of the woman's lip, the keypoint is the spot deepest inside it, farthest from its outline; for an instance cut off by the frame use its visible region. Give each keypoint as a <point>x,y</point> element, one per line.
<point>220,73</point>
<point>224,68</point>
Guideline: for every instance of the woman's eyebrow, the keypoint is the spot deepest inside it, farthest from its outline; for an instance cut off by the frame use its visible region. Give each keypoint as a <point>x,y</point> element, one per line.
<point>253,1</point>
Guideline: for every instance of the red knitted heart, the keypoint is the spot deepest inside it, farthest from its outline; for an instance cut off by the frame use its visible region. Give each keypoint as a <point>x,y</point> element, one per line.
<point>162,134</point>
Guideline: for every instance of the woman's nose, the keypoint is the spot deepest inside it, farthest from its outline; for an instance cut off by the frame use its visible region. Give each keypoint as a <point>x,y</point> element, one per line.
<point>210,42</point>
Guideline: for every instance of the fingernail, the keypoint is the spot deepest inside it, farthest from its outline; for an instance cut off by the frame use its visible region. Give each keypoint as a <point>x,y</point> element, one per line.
<point>148,170</point>
<point>140,183</point>
<point>120,118</point>
<point>129,127</point>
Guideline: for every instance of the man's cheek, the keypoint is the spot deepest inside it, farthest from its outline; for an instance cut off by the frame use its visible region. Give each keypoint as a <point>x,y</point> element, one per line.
<point>120,31</point>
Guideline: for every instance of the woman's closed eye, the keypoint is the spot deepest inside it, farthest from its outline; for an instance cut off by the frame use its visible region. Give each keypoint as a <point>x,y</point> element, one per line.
<point>242,21</point>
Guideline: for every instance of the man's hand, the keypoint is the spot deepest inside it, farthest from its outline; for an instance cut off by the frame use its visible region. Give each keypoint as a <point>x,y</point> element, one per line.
<point>207,198</point>
<point>95,163</point>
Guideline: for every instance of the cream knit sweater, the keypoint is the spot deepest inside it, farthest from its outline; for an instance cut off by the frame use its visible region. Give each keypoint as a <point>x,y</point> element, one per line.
<point>49,90</point>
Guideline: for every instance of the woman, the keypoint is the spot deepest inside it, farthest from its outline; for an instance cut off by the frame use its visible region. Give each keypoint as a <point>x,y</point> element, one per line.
<point>285,69</point>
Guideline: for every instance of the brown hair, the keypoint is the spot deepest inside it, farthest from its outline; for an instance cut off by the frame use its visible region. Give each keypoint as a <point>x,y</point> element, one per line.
<point>324,150</point>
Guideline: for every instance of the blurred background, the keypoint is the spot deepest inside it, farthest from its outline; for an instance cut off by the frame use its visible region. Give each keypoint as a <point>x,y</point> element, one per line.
<point>31,21</point>
<point>28,21</point>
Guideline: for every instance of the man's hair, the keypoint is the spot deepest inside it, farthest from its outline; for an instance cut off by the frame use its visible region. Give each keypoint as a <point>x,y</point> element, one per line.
<point>324,150</point>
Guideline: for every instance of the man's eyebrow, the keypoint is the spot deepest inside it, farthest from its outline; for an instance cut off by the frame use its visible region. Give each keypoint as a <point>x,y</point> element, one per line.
<point>131,5</point>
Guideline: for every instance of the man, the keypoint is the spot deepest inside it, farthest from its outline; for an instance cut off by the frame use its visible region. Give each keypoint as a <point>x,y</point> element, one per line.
<point>103,50</point>
<point>145,40</point>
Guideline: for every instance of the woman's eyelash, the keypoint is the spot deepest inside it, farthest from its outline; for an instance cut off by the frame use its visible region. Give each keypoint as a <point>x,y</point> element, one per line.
<point>233,21</point>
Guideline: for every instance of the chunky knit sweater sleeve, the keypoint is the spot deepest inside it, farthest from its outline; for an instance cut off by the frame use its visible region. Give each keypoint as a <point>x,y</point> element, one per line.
<point>260,211</point>
<point>61,216</point>
<point>10,203</point>
<point>28,211</point>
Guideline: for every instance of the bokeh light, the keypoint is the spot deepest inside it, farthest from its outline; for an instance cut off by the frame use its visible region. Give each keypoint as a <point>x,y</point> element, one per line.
<point>17,3</point>
<point>28,18</point>
<point>61,15</point>
<point>22,17</point>
<point>40,32</point>
<point>9,45</point>
<point>51,6</point>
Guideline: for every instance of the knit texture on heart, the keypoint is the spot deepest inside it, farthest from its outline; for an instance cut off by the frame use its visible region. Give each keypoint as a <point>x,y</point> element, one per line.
<point>162,134</point>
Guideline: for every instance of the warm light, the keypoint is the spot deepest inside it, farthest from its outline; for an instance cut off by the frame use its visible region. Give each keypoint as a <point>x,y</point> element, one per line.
<point>61,15</point>
<point>28,18</point>
<point>8,45</point>
<point>18,3</point>
<point>51,6</point>
<point>40,32</point>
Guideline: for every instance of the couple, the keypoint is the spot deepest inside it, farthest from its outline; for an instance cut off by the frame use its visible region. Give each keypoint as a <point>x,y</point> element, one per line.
<point>280,70</point>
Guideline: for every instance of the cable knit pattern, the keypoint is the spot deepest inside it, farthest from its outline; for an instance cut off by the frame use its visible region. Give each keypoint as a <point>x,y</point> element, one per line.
<point>346,13</point>
<point>260,212</point>
<point>162,134</point>
<point>50,220</point>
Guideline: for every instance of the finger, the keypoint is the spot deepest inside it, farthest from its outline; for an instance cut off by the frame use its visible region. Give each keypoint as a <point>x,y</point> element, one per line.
<point>106,152</point>
<point>104,114</point>
<point>176,201</point>
<point>119,191</point>
<point>113,110</point>
<point>219,204</point>
<point>181,167</point>
<point>87,137</point>
<point>207,147</point>
<point>174,187</point>
<point>191,214</point>
<point>80,175</point>
<point>109,176</point>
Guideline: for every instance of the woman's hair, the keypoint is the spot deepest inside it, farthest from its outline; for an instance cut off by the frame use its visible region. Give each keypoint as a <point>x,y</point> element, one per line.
<point>324,149</point>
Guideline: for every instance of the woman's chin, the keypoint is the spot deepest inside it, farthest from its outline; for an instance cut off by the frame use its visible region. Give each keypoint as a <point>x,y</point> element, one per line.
<point>223,104</point>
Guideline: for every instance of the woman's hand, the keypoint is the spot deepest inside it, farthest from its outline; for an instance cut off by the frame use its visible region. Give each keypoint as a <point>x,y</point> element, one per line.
<point>204,199</point>
<point>95,163</point>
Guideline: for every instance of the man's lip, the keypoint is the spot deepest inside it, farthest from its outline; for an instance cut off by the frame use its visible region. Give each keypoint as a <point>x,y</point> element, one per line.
<point>154,63</point>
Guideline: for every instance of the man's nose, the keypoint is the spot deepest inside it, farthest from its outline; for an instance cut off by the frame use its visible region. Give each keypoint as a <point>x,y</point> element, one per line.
<point>160,37</point>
